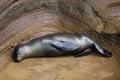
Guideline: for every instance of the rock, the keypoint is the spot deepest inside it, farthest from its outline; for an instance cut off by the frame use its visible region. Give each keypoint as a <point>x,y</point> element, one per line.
<point>23,20</point>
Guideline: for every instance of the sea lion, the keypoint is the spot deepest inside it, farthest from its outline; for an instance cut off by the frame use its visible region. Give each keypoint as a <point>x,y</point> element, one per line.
<point>57,44</point>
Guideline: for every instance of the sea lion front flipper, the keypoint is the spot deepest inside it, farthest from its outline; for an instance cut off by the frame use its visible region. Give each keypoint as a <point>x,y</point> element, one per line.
<point>66,45</point>
<point>85,52</point>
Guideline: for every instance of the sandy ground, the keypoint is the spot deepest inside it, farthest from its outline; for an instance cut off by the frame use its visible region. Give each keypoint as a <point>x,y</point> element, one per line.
<point>90,67</point>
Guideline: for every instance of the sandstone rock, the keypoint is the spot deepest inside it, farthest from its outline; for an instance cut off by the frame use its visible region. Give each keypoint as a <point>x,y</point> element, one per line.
<point>23,20</point>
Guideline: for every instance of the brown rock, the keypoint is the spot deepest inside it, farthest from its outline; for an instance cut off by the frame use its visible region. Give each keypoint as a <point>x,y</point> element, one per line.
<point>22,20</point>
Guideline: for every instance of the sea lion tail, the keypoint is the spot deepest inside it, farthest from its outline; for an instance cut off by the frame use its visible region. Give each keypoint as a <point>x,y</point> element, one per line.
<point>103,51</point>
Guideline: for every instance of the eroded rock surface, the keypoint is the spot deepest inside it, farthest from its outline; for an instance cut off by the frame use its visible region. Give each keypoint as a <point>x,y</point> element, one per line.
<point>23,20</point>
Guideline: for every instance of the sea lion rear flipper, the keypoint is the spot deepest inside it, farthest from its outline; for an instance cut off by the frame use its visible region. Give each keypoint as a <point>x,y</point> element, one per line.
<point>103,51</point>
<point>65,45</point>
<point>85,52</point>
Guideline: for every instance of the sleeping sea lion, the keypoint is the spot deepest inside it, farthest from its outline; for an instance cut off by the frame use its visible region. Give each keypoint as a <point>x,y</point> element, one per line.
<point>57,44</point>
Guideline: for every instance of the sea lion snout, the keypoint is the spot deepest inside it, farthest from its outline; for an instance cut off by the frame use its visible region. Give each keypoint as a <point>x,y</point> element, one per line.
<point>15,53</point>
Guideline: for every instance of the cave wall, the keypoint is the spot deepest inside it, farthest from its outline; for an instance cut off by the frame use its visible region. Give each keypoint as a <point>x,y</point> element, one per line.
<point>102,17</point>
<point>23,20</point>
<point>98,21</point>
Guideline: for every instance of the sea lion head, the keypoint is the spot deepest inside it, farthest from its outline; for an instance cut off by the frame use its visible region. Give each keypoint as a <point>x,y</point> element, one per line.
<point>20,52</point>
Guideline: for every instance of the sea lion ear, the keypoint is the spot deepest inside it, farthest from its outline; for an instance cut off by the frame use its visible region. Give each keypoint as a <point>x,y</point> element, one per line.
<point>66,45</point>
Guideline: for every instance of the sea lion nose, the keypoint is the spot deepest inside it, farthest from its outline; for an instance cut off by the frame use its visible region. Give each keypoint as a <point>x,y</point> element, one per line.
<point>19,58</point>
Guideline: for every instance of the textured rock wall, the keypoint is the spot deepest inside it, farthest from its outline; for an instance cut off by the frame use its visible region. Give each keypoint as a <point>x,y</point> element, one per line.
<point>81,16</point>
<point>102,17</point>
<point>23,20</point>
